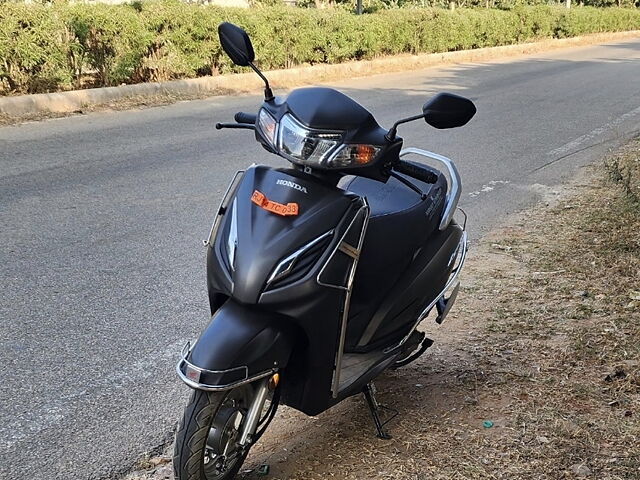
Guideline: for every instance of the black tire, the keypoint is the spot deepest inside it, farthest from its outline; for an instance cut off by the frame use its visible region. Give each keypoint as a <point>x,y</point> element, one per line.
<point>190,451</point>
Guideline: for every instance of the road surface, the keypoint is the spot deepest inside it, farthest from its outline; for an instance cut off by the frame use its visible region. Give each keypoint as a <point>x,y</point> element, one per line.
<point>102,216</point>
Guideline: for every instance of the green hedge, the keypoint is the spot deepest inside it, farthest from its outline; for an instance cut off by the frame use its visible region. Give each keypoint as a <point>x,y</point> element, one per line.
<point>46,48</point>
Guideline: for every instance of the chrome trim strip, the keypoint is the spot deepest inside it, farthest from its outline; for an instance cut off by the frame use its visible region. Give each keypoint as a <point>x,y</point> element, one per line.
<point>232,240</point>
<point>454,191</point>
<point>364,210</point>
<point>337,247</point>
<point>278,274</point>
<point>350,250</point>
<point>453,278</point>
<point>464,224</point>
<point>221,208</point>
<point>214,388</point>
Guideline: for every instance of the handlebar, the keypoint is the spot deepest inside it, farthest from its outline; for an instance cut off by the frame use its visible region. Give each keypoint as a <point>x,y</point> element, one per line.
<point>245,121</point>
<point>415,170</point>
<point>245,126</point>
<point>242,117</point>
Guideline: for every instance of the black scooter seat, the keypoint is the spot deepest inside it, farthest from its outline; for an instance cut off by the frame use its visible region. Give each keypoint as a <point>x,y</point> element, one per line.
<point>389,198</point>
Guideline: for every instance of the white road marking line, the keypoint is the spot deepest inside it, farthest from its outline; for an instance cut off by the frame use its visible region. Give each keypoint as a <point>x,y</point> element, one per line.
<point>578,142</point>
<point>489,187</point>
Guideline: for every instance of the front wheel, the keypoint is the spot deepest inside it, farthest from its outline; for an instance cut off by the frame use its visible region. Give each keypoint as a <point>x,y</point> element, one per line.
<point>207,445</point>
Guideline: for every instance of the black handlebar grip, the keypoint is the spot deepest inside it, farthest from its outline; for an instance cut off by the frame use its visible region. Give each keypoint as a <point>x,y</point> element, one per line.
<point>415,170</point>
<point>242,117</point>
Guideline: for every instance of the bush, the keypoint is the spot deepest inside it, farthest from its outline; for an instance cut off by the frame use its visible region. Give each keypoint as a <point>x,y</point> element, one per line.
<point>108,40</point>
<point>50,47</point>
<point>32,50</point>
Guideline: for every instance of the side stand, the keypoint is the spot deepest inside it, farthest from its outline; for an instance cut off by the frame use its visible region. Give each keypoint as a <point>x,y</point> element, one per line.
<point>369,392</point>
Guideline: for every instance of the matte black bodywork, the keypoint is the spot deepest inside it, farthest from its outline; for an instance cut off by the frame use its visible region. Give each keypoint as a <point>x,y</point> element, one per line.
<point>240,336</point>
<point>285,292</point>
<point>396,277</point>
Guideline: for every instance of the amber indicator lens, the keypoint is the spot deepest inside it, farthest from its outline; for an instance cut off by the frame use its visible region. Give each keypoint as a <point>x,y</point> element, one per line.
<point>364,154</point>
<point>273,381</point>
<point>353,156</point>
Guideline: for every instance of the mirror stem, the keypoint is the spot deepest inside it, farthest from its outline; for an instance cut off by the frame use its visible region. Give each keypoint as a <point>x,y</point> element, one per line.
<point>391,134</point>
<point>268,94</point>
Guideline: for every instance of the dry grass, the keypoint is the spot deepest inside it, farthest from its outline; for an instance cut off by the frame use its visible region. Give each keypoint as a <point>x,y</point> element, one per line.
<point>544,343</point>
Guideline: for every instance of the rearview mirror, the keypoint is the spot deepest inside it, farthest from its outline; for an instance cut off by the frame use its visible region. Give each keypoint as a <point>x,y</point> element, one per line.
<point>447,110</point>
<point>236,43</point>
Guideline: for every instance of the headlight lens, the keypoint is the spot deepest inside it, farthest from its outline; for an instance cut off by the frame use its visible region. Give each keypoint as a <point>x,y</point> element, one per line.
<point>314,148</point>
<point>305,146</point>
<point>268,126</point>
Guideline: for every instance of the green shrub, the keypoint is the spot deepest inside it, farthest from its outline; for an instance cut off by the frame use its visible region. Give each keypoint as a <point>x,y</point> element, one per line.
<point>32,50</point>
<point>60,46</point>
<point>111,41</point>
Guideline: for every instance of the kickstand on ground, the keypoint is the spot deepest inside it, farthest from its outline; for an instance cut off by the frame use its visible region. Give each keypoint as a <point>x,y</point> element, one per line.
<point>369,392</point>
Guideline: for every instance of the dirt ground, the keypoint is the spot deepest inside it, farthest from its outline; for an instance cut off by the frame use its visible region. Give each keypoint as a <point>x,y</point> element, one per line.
<point>535,374</point>
<point>128,103</point>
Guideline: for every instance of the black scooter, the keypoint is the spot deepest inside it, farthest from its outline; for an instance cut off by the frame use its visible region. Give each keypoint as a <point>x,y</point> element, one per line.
<point>319,274</point>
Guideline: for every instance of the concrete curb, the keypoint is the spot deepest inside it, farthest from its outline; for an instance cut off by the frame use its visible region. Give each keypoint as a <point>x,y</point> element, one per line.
<point>245,82</point>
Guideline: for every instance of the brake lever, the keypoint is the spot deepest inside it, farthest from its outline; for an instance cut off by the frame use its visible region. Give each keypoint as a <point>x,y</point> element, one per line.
<point>244,126</point>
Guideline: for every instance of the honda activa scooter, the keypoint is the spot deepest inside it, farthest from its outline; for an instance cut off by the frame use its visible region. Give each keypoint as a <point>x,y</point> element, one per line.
<point>318,274</point>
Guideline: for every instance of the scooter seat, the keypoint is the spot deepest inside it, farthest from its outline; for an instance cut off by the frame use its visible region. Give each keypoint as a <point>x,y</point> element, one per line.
<point>393,197</point>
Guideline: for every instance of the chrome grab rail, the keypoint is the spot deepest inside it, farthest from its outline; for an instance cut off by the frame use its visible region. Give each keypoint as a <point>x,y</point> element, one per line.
<point>354,253</point>
<point>454,190</point>
<point>214,388</point>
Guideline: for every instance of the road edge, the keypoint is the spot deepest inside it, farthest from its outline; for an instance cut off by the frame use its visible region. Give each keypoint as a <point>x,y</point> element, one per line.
<point>71,101</point>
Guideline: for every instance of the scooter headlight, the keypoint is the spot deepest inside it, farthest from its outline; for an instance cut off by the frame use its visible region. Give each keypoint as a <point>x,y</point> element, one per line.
<point>305,146</point>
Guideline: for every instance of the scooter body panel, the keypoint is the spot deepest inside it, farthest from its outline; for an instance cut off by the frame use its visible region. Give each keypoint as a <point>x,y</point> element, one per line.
<point>308,303</point>
<point>263,241</point>
<point>263,238</point>
<point>418,286</point>
<point>241,343</point>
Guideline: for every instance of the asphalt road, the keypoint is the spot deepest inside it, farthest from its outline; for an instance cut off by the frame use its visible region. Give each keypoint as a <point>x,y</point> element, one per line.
<point>102,215</point>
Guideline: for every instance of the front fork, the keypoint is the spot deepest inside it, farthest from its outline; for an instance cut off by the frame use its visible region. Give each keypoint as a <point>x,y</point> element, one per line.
<point>255,409</point>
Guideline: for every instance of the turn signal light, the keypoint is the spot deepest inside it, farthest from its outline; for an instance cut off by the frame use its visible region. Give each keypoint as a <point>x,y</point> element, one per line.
<point>273,381</point>
<point>364,154</point>
<point>353,156</point>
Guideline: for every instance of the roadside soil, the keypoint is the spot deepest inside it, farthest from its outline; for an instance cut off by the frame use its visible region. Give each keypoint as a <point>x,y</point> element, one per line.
<point>535,374</point>
<point>128,103</point>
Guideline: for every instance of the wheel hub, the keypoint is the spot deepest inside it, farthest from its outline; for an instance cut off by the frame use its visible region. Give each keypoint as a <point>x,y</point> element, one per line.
<point>221,441</point>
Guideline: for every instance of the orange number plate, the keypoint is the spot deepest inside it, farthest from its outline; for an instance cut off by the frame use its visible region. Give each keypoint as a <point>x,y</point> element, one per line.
<point>290,209</point>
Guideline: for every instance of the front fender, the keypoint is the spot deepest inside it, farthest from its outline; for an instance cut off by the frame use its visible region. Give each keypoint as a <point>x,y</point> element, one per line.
<point>241,344</point>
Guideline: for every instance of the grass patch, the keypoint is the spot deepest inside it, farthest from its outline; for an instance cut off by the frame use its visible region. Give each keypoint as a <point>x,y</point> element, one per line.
<point>574,321</point>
